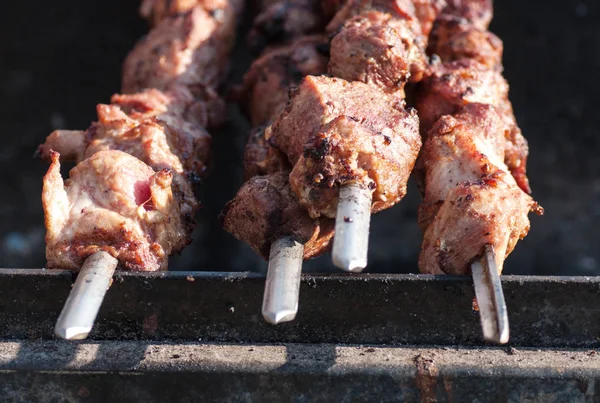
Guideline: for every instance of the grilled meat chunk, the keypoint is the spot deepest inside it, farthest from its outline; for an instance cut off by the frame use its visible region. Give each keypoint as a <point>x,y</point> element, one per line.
<point>335,132</point>
<point>264,92</point>
<point>455,84</point>
<point>162,130</point>
<point>375,48</point>
<point>260,158</point>
<point>454,38</point>
<point>427,11</point>
<point>285,21</point>
<point>189,49</point>
<point>470,197</point>
<point>115,203</point>
<point>265,209</point>
<point>478,13</point>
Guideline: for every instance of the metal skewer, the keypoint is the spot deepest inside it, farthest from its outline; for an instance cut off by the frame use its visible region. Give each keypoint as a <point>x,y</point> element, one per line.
<point>79,313</point>
<point>282,288</point>
<point>352,221</point>
<point>490,298</point>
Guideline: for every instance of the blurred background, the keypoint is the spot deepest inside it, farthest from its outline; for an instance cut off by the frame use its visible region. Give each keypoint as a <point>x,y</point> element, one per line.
<point>59,59</point>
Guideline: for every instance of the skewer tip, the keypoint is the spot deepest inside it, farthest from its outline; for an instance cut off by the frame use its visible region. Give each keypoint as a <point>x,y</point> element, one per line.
<point>275,318</point>
<point>72,333</point>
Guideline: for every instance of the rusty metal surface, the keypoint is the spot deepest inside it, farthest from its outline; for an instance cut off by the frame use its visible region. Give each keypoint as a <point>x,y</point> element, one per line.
<point>55,371</point>
<point>359,309</point>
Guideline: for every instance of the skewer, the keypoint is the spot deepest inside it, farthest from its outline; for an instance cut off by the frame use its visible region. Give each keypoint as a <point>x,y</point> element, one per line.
<point>353,218</point>
<point>490,298</point>
<point>79,313</point>
<point>282,288</point>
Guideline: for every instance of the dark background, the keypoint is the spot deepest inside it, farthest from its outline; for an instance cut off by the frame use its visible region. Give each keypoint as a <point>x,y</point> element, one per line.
<point>59,59</point>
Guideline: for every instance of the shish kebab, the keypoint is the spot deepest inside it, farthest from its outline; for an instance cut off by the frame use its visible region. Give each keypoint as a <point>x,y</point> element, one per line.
<point>365,114</point>
<point>129,200</point>
<point>265,213</point>
<point>472,165</point>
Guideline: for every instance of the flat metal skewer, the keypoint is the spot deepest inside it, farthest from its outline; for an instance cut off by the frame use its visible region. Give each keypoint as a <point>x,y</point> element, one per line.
<point>282,288</point>
<point>352,221</point>
<point>490,298</point>
<point>81,308</point>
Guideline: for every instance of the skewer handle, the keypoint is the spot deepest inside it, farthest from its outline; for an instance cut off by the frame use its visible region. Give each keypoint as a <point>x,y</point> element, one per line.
<point>79,313</point>
<point>282,288</point>
<point>490,298</point>
<point>352,221</point>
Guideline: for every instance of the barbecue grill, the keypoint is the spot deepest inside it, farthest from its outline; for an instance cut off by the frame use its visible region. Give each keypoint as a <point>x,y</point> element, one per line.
<point>196,333</point>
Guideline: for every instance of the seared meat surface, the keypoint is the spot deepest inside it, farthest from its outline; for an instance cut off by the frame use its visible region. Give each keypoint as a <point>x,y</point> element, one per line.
<point>161,129</point>
<point>472,165</point>
<point>284,22</point>
<point>189,49</point>
<point>335,133</point>
<point>265,209</point>
<point>115,203</point>
<point>264,93</point>
<point>471,199</point>
<point>378,49</point>
<point>454,38</point>
<point>260,158</point>
<point>454,84</point>
<point>477,13</point>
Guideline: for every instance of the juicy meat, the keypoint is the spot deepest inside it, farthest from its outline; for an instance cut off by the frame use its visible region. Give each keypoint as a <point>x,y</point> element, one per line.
<point>427,11</point>
<point>264,92</point>
<point>398,9</point>
<point>115,203</point>
<point>375,48</point>
<point>477,12</point>
<point>285,21</point>
<point>175,107</point>
<point>470,197</point>
<point>454,38</point>
<point>335,132</point>
<point>260,158</point>
<point>189,49</point>
<point>265,209</point>
<point>162,130</point>
<point>157,10</point>
<point>454,84</point>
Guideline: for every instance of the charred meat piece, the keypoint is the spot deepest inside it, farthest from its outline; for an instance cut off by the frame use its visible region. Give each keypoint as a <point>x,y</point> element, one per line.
<point>454,38</point>
<point>427,11</point>
<point>397,9</point>
<point>454,84</point>
<point>189,49</point>
<point>264,92</point>
<point>160,129</point>
<point>178,104</point>
<point>335,132</point>
<point>115,203</point>
<point>260,158</point>
<point>285,21</point>
<point>266,209</point>
<point>470,197</point>
<point>478,13</point>
<point>375,48</point>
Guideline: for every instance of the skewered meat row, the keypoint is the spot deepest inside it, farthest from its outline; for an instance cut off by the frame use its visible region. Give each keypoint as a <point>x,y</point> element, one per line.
<point>131,191</point>
<point>474,155</point>
<point>265,208</point>
<point>333,131</point>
